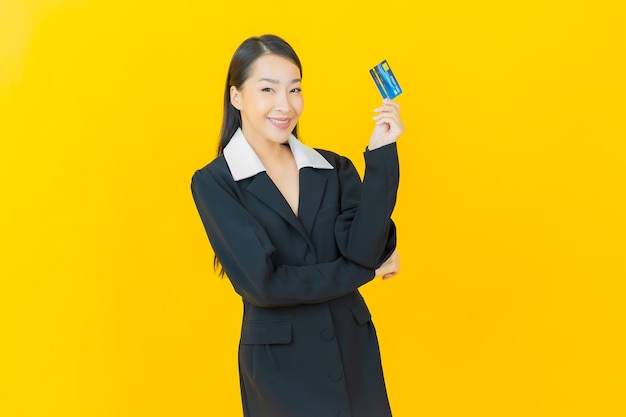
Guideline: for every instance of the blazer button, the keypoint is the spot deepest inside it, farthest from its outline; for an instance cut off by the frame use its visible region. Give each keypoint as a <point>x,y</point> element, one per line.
<point>344,413</point>
<point>309,258</point>
<point>328,335</point>
<point>336,375</point>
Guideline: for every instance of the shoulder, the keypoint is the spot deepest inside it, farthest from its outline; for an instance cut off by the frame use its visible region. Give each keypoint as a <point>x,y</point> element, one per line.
<point>215,171</point>
<point>217,167</point>
<point>336,160</point>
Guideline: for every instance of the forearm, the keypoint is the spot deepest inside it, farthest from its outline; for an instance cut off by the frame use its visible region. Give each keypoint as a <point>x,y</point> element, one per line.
<point>365,232</point>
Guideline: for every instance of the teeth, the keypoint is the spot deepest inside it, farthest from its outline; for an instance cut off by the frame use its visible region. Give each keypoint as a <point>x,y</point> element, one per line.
<point>279,122</point>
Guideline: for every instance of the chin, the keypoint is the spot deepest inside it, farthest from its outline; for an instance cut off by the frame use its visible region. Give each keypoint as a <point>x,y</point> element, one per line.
<point>282,136</point>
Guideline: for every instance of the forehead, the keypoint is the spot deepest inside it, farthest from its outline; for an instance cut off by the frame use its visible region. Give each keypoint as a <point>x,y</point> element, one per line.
<point>274,67</point>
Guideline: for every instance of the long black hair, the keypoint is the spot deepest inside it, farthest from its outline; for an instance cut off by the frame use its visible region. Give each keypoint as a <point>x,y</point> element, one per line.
<point>239,71</point>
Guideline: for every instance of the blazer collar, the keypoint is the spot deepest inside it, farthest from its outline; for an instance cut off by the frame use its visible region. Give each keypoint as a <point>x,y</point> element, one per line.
<point>244,163</point>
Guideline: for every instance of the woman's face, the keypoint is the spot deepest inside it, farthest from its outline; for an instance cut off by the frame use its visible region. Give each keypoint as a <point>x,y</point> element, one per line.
<point>270,100</point>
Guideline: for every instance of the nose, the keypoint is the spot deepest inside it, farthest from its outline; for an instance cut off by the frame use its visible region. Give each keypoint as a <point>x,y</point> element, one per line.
<point>282,102</point>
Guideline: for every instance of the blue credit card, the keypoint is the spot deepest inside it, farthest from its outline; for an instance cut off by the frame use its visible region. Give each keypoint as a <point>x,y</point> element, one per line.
<point>385,80</point>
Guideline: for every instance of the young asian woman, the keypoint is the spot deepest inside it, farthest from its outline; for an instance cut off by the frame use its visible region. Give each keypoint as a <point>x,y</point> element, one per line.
<point>297,232</point>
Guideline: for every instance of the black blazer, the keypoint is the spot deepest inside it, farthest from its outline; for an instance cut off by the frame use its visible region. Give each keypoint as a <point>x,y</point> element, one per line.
<point>308,347</point>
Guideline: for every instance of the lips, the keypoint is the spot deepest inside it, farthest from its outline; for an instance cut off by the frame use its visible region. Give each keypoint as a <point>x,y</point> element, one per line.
<point>281,123</point>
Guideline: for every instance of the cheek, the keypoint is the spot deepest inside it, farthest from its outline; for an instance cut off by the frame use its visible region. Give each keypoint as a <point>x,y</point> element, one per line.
<point>257,104</point>
<point>298,104</point>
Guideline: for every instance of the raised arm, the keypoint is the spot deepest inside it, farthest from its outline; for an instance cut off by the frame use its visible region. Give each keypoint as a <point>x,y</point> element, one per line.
<point>365,232</point>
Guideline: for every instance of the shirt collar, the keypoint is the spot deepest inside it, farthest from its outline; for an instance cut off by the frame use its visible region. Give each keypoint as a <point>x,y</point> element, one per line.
<point>244,163</point>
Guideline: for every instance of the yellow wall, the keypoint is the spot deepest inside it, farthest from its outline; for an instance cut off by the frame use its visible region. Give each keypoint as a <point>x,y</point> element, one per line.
<point>511,212</point>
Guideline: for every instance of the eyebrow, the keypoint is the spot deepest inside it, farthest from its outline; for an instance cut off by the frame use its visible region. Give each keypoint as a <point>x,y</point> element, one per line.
<point>273,81</point>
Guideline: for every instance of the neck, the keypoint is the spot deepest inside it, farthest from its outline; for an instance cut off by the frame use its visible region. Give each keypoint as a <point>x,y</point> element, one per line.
<point>270,153</point>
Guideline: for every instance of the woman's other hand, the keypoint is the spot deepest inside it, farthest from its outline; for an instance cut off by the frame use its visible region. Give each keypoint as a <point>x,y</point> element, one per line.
<point>389,125</point>
<point>390,267</point>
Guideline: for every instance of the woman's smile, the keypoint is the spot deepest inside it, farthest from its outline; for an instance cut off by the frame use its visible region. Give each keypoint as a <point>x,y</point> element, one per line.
<point>280,123</point>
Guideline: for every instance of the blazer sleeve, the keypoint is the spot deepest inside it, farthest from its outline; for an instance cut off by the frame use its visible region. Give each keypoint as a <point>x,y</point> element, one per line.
<point>364,231</point>
<point>245,252</point>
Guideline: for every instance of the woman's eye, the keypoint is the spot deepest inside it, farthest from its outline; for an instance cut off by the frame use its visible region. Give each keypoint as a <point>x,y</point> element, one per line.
<point>267,89</point>
<point>296,90</point>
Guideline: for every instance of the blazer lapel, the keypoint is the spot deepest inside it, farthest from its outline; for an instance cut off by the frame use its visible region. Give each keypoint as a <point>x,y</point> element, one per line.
<point>263,188</point>
<point>312,187</point>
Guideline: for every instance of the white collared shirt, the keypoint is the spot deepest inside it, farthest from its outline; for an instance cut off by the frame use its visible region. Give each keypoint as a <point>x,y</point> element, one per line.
<point>244,163</point>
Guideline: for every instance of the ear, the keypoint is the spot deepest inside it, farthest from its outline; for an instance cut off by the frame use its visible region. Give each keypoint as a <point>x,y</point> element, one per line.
<point>235,97</point>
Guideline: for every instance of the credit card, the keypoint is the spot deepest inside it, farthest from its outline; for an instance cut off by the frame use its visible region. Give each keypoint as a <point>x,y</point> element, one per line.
<point>385,80</point>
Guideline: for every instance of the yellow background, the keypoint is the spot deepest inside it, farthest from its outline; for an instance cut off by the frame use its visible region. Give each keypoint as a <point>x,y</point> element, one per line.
<point>511,213</point>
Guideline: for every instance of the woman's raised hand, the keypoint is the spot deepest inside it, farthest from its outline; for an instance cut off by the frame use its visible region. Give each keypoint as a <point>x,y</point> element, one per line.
<point>389,125</point>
